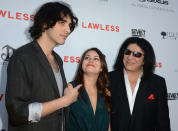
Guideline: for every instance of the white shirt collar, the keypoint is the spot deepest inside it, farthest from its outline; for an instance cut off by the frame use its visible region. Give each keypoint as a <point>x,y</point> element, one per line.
<point>131,97</point>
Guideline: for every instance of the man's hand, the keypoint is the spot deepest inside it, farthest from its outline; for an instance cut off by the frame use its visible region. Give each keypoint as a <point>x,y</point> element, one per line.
<point>71,93</point>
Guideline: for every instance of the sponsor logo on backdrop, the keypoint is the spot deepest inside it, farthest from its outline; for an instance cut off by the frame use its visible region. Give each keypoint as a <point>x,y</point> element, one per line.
<point>7,51</point>
<point>169,35</point>
<point>164,2</point>
<point>158,64</point>
<point>16,15</point>
<point>138,32</point>
<point>101,27</point>
<point>172,96</point>
<point>158,5</point>
<point>71,59</point>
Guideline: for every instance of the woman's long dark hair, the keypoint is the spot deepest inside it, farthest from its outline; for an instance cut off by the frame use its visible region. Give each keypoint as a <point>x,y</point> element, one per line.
<point>102,81</point>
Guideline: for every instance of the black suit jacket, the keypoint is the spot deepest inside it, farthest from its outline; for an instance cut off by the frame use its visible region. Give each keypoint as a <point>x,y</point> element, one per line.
<point>30,79</point>
<point>150,112</point>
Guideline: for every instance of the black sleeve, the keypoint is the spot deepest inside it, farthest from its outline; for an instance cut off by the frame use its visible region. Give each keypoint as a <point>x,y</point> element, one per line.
<point>17,92</point>
<point>163,121</point>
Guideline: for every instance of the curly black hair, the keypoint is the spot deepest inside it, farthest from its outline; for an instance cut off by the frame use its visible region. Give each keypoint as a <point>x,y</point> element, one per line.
<point>149,55</point>
<point>48,14</point>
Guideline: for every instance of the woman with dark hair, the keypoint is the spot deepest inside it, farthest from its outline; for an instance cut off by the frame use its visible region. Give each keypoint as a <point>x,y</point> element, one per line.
<point>139,97</point>
<point>91,111</point>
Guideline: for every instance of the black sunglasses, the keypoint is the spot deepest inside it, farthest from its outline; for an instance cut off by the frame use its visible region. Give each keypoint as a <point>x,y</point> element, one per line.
<point>134,53</point>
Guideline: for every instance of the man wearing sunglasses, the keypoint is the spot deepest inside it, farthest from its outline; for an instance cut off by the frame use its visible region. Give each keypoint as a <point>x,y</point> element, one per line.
<point>139,97</point>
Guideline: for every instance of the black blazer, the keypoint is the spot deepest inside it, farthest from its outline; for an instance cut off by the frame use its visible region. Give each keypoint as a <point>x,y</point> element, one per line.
<point>30,79</point>
<point>150,112</point>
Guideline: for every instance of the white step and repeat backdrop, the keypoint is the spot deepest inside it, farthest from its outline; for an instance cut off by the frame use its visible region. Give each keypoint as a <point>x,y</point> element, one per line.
<point>104,24</point>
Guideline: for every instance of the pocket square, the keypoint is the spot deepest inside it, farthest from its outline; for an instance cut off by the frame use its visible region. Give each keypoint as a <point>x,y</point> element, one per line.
<point>151,97</point>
